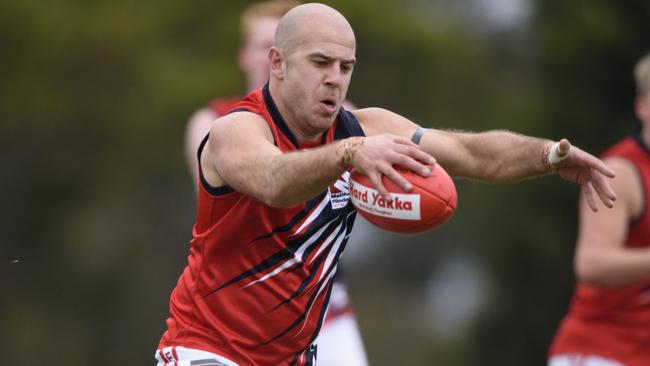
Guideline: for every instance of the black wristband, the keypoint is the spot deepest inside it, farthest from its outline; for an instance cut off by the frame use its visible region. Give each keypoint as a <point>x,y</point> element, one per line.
<point>417,135</point>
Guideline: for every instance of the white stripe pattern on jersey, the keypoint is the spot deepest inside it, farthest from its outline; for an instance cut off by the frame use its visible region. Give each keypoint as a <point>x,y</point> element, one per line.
<point>297,257</point>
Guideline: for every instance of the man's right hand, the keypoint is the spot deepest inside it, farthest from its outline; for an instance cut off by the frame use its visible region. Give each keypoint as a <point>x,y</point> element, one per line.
<point>380,154</point>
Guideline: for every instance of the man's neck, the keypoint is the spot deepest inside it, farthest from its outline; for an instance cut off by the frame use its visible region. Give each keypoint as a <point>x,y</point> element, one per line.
<point>290,119</point>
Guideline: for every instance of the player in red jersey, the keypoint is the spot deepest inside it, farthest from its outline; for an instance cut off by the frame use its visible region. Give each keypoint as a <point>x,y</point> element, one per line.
<point>608,322</point>
<point>258,23</point>
<point>340,339</point>
<point>274,213</point>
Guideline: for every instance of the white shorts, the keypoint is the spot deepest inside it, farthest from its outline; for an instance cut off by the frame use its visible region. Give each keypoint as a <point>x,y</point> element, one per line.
<point>576,359</point>
<point>339,343</point>
<point>181,356</point>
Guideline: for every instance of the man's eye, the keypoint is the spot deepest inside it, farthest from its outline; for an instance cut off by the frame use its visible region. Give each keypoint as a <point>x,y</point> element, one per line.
<point>320,62</point>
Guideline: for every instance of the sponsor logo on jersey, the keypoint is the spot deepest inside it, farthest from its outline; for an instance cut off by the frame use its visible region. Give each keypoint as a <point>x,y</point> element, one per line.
<point>340,192</point>
<point>403,206</point>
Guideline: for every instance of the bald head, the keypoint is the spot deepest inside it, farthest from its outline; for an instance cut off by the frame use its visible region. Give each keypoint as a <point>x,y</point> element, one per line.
<point>309,21</point>
<point>311,67</point>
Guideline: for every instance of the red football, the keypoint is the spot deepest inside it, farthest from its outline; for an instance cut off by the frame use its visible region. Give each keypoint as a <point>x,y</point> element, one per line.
<point>431,202</point>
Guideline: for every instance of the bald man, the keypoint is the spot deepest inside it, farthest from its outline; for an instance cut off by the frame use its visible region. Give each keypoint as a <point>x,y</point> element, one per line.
<point>339,341</point>
<point>268,236</point>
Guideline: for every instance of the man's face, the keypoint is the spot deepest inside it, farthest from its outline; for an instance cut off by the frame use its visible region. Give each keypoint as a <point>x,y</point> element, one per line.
<point>318,70</point>
<point>253,57</point>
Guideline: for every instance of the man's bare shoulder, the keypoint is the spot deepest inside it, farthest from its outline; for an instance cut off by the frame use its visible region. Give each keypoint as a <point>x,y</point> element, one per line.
<point>373,120</point>
<point>240,124</point>
<point>625,170</point>
<point>376,121</point>
<point>627,184</point>
<point>233,139</point>
<point>240,128</point>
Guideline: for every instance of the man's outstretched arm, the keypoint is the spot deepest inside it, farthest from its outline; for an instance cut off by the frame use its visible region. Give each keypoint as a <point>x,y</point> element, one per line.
<point>500,156</point>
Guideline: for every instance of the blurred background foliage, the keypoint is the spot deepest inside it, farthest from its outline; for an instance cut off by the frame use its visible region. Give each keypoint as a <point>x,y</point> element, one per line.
<point>98,206</point>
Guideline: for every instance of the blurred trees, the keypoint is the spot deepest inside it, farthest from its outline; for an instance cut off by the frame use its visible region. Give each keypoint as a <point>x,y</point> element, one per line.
<point>98,206</point>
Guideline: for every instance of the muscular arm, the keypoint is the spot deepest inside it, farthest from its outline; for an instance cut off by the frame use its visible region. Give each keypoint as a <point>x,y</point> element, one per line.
<point>601,256</point>
<point>240,153</point>
<point>198,126</point>
<point>497,156</point>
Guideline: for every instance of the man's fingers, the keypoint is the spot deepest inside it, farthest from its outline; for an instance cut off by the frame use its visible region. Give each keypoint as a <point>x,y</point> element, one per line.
<point>585,159</point>
<point>394,176</point>
<point>604,190</point>
<point>588,190</point>
<point>398,179</point>
<point>417,154</point>
<point>423,157</point>
<point>603,197</point>
<point>600,166</point>
<point>404,141</point>
<point>375,178</point>
<point>383,153</point>
<point>409,163</point>
<point>604,169</point>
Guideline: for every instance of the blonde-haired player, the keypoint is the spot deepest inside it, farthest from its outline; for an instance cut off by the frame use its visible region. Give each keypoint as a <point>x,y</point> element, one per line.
<point>608,322</point>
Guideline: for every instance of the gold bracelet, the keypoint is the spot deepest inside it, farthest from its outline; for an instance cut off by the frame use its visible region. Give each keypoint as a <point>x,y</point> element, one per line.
<point>347,149</point>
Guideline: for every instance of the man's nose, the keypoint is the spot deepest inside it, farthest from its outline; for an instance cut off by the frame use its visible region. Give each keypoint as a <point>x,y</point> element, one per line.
<point>333,75</point>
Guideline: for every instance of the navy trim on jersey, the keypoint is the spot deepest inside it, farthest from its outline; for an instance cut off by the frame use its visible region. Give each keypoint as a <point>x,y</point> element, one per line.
<point>348,126</point>
<point>241,109</point>
<point>277,117</point>
<point>215,191</point>
<point>318,236</point>
<point>290,248</point>
<point>269,262</point>
<point>321,316</point>
<point>292,223</point>
<point>309,351</point>
<point>303,315</point>
<point>311,354</point>
<point>317,262</point>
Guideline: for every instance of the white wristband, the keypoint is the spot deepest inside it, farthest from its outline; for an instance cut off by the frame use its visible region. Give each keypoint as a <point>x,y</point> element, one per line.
<point>553,154</point>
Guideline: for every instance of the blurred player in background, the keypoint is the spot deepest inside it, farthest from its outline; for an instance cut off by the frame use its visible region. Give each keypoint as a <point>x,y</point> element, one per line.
<point>608,322</point>
<point>339,342</point>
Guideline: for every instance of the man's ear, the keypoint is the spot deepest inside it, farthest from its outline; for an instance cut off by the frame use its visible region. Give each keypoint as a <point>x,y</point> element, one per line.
<point>276,62</point>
